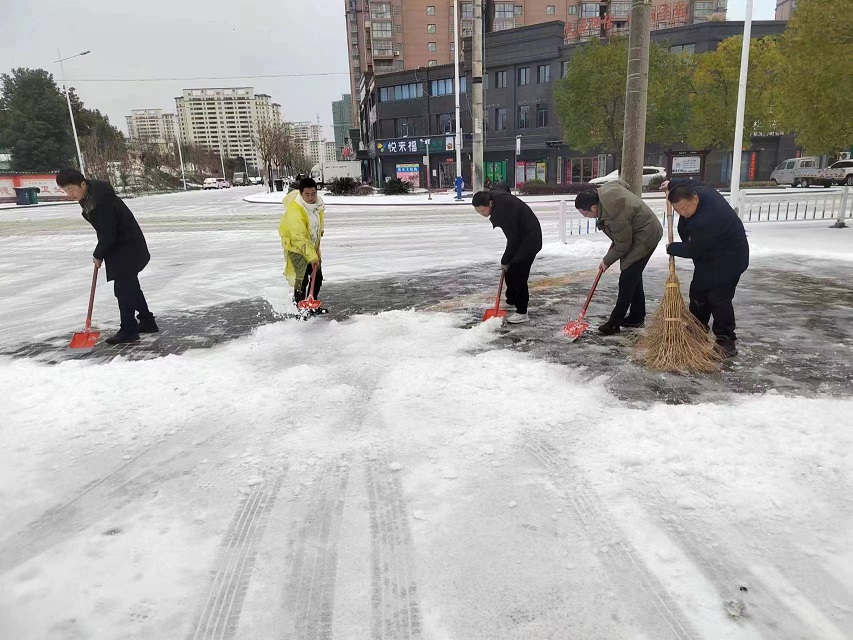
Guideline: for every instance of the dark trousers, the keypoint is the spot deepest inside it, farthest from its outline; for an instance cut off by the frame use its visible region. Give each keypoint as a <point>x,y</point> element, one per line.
<point>631,301</point>
<point>301,292</point>
<point>517,292</point>
<point>131,301</point>
<point>717,302</point>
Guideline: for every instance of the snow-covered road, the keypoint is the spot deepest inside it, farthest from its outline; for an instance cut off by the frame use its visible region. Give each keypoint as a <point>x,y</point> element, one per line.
<point>398,475</point>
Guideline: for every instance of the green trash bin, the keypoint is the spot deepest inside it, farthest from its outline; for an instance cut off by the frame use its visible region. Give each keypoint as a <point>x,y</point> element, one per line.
<point>33,195</point>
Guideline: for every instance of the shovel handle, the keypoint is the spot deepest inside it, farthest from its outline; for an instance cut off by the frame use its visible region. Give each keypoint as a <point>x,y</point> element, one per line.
<point>590,294</point>
<point>500,290</point>
<point>92,298</point>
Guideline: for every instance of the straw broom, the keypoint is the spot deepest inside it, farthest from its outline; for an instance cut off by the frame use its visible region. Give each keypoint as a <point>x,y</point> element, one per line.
<point>675,340</point>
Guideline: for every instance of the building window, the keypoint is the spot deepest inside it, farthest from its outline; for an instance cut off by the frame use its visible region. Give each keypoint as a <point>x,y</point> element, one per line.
<point>541,116</point>
<point>500,79</point>
<point>431,46</point>
<point>467,11</point>
<point>445,87</point>
<point>565,69</point>
<point>524,117</point>
<point>573,10</point>
<point>430,11</point>
<point>620,10</point>
<point>590,10</point>
<point>703,9</point>
<point>430,28</point>
<point>433,63</point>
<point>683,48</point>
<point>662,25</point>
<point>523,76</point>
<point>518,10</point>
<point>401,92</point>
<point>445,123</point>
<point>380,11</point>
<point>551,10</point>
<point>381,29</point>
<point>500,119</point>
<point>504,10</point>
<point>544,73</point>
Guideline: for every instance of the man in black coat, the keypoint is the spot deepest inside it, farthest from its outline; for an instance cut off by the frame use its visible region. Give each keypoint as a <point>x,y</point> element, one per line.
<point>121,246</point>
<point>712,235</point>
<point>523,241</point>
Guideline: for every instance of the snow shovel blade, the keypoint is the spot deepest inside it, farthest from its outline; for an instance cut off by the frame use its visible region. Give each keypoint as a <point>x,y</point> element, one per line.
<point>84,340</point>
<point>575,329</point>
<point>494,313</point>
<point>309,303</point>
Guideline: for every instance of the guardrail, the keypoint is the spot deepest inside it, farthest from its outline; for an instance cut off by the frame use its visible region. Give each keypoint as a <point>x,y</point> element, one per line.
<point>761,207</point>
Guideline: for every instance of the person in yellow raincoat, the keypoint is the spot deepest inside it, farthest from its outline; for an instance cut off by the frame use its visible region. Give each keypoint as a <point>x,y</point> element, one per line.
<point>301,229</point>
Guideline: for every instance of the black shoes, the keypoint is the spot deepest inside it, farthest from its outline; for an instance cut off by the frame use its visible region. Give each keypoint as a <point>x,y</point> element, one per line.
<point>148,324</point>
<point>609,328</point>
<point>124,336</point>
<point>629,323</point>
<point>727,347</point>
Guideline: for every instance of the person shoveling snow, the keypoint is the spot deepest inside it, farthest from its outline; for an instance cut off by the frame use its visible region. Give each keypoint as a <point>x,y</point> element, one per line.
<point>301,229</point>
<point>523,241</point>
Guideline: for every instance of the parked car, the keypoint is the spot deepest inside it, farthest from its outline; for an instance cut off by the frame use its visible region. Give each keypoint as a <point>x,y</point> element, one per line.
<point>840,172</point>
<point>648,174</point>
<point>210,183</point>
<point>256,180</point>
<point>799,172</point>
<point>240,179</point>
<point>222,183</point>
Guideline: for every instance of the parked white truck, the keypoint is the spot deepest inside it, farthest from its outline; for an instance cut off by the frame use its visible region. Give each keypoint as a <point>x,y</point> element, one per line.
<point>329,171</point>
<point>805,172</point>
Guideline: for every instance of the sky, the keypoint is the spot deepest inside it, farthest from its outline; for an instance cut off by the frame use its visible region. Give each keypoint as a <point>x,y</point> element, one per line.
<point>196,39</point>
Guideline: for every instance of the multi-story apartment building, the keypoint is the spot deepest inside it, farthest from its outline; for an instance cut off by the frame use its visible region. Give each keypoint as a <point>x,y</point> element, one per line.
<point>342,121</point>
<point>226,120</point>
<point>331,151</point>
<point>152,126</point>
<point>785,9</point>
<point>407,34</point>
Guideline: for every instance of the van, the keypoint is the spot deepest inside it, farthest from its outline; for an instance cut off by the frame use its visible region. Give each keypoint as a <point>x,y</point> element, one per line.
<point>793,171</point>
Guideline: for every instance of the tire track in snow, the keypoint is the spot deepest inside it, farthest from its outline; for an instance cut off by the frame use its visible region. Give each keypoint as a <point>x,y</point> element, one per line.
<point>313,557</point>
<point>220,614</point>
<point>396,611</point>
<point>97,499</point>
<point>603,533</point>
<point>727,572</point>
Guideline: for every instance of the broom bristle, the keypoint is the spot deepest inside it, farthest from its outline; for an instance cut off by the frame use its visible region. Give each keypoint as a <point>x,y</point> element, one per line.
<point>675,340</point>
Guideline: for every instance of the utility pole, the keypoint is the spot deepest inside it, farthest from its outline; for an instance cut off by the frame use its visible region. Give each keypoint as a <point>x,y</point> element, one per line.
<point>477,97</point>
<point>636,96</point>
<point>734,191</point>
<point>458,137</point>
<point>181,158</point>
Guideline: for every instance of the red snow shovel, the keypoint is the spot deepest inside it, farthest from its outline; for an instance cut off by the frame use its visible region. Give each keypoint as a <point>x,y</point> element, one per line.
<point>497,312</point>
<point>574,328</point>
<point>310,303</point>
<point>87,338</point>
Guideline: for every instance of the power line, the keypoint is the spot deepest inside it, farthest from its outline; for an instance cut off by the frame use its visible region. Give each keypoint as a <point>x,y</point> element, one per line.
<point>275,75</point>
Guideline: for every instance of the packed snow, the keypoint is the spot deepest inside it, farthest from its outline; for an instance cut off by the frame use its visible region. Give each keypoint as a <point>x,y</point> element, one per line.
<point>396,475</point>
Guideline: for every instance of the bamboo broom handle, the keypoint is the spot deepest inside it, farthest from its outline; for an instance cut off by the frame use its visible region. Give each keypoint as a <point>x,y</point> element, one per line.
<point>669,232</point>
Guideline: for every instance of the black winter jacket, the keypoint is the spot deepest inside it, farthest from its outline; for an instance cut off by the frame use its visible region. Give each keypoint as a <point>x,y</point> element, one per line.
<point>121,244</point>
<point>713,237</point>
<point>520,226</point>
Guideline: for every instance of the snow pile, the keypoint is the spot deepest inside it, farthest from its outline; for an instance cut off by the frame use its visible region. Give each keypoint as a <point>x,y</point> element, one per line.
<point>431,404</point>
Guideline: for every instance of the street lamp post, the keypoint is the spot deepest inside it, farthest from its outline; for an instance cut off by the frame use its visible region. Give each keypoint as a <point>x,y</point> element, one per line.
<point>68,99</point>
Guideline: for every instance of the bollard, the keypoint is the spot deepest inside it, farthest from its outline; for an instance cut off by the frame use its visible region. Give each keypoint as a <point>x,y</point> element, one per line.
<point>562,221</point>
<point>842,209</point>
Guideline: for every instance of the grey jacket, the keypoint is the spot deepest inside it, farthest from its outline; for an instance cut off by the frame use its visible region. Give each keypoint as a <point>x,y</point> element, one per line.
<point>628,222</point>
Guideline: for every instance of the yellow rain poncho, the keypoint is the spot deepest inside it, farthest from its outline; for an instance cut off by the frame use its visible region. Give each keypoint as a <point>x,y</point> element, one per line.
<point>300,248</point>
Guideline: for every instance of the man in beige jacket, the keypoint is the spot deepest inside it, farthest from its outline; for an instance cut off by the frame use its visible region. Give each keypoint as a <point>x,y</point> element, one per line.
<point>635,232</point>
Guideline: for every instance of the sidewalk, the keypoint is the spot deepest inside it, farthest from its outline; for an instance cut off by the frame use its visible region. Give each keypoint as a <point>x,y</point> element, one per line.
<point>413,200</point>
<point>12,205</point>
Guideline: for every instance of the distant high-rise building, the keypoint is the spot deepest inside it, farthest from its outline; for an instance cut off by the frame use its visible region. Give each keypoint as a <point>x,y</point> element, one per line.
<point>397,34</point>
<point>309,135</point>
<point>225,120</point>
<point>342,121</point>
<point>151,125</point>
<point>785,9</point>
<point>332,153</point>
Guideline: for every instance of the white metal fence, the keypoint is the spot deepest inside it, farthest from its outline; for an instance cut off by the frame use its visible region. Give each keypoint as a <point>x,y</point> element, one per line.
<point>835,204</point>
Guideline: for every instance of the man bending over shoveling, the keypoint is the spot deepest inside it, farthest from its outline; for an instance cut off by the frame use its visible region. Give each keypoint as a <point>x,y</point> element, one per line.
<point>301,230</point>
<point>523,241</point>
<point>635,232</point>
